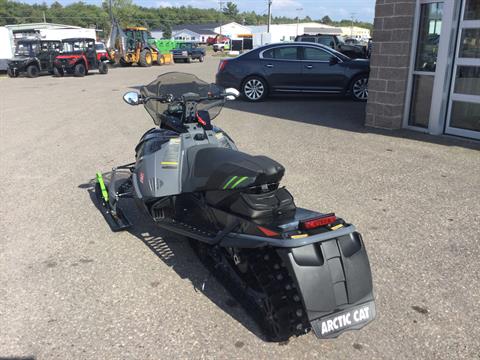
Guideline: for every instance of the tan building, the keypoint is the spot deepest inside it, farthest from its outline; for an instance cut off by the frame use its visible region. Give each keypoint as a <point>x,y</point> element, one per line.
<point>355,32</point>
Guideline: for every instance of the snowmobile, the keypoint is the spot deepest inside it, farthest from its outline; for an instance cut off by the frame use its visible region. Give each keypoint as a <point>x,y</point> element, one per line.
<point>292,269</point>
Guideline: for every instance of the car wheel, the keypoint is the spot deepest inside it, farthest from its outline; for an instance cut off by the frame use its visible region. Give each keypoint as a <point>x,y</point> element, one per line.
<point>359,88</point>
<point>201,58</point>
<point>189,59</point>
<point>102,68</point>
<point>32,71</point>
<point>254,89</point>
<point>79,70</point>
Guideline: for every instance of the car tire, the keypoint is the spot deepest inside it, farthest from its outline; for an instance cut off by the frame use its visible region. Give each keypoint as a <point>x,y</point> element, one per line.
<point>201,58</point>
<point>103,68</point>
<point>145,58</point>
<point>254,89</point>
<point>32,71</point>
<point>189,59</point>
<point>359,88</point>
<point>79,70</point>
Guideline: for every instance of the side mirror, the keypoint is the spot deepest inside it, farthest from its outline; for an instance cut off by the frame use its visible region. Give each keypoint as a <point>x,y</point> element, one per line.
<point>333,60</point>
<point>232,93</point>
<point>131,98</point>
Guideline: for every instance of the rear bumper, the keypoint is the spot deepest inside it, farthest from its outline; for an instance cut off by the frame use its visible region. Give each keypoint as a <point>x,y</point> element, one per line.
<point>335,282</point>
<point>227,80</point>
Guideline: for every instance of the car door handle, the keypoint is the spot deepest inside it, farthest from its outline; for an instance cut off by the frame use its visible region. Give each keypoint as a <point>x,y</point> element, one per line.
<point>309,66</point>
<point>269,65</point>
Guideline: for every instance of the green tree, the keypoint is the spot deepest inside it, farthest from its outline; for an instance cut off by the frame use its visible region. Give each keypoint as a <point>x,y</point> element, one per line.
<point>230,10</point>
<point>326,20</point>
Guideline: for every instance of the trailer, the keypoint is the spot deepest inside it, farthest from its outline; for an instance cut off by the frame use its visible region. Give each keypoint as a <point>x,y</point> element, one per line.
<point>60,34</point>
<point>6,47</point>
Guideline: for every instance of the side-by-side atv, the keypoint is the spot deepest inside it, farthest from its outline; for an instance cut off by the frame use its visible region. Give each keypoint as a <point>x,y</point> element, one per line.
<point>292,269</point>
<point>78,57</point>
<point>32,57</point>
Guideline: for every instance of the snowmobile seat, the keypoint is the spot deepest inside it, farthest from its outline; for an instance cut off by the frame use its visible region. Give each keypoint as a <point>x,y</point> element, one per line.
<point>214,168</point>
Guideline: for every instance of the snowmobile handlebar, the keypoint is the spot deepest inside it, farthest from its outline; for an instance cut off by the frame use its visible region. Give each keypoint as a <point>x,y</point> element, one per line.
<point>134,98</point>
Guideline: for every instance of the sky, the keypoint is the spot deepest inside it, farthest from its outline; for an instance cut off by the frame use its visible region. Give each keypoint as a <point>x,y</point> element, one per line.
<point>362,10</point>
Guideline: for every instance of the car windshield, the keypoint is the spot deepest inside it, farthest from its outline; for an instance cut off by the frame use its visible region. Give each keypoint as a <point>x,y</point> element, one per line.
<point>77,45</point>
<point>99,47</point>
<point>27,48</point>
<point>177,84</point>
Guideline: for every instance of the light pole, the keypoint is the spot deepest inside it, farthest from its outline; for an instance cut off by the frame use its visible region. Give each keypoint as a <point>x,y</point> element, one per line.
<point>269,15</point>
<point>298,17</point>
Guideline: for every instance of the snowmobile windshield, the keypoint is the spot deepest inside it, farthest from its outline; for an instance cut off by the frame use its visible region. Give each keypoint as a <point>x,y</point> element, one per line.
<point>178,84</point>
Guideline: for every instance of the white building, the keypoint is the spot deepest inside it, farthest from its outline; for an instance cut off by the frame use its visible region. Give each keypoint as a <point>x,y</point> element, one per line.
<point>191,32</point>
<point>233,30</point>
<point>355,32</point>
<point>288,32</point>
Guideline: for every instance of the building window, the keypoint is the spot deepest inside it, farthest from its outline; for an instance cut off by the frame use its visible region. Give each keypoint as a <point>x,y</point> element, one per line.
<point>470,43</point>
<point>472,10</point>
<point>430,27</point>
<point>428,37</point>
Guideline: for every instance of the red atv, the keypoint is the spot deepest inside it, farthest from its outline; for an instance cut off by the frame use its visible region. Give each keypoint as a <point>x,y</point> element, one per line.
<point>78,57</point>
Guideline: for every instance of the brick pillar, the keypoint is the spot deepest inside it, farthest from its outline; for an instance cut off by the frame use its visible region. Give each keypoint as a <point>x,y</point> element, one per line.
<point>392,42</point>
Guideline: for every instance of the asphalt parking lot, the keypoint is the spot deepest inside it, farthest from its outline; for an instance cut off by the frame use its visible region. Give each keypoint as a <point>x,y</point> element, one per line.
<point>72,289</point>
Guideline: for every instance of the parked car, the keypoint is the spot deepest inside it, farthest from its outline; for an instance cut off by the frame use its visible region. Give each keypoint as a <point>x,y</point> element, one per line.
<point>78,57</point>
<point>294,68</point>
<point>337,43</point>
<point>102,53</point>
<point>33,57</point>
<point>188,51</point>
<point>222,46</point>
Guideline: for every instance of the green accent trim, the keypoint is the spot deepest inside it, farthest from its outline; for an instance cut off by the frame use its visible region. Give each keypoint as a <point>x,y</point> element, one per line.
<point>229,182</point>
<point>102,186</point>
<point>242,179</point>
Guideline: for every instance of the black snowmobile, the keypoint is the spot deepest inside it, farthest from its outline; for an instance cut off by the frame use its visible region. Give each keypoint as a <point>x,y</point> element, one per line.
<point>293,269</point>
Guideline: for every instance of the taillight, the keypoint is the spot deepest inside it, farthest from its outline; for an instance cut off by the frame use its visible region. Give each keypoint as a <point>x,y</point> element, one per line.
<point>318,221</point>
<point>222,65</point>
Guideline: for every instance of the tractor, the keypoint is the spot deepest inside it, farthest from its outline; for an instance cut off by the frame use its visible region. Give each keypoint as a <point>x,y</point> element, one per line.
<point>130,46</point>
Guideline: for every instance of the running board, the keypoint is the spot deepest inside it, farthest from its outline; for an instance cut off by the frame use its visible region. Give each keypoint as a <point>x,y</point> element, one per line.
<point>188,231</point>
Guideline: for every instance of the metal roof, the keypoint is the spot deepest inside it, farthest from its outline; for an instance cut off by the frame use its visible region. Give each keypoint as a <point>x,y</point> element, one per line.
<point>38,26</point>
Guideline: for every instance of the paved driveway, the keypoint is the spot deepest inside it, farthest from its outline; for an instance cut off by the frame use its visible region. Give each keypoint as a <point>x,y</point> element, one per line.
<point>71,289</point>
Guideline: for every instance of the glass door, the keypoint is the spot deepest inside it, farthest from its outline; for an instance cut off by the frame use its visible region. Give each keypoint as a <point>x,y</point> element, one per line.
<point>425,62</point>
<point>464,105</point>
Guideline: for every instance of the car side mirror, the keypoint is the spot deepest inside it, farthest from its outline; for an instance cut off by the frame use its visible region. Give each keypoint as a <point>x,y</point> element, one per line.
<point>231,93</point>
<point>333,61</point>
<point>131,98</point>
